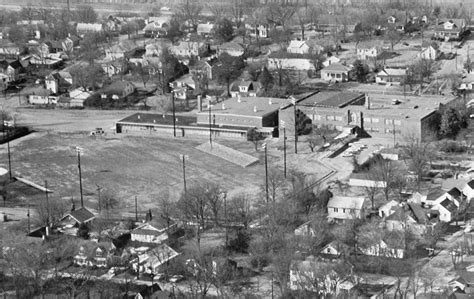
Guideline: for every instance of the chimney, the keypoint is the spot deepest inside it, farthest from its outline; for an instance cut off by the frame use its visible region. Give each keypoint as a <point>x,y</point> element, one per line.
<point>348,116</point>
<point>255,109</point>
<point>361,120</point>
<point>46,231</point>
<point>199,102</point>
<point>270,101</point>
<point>367,102</point>
<point>138,116</point>
<point>223,106</point>
<point>73,207</point>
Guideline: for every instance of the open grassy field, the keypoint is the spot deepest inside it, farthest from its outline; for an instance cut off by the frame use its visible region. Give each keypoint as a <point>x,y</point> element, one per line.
<point>124,165</point>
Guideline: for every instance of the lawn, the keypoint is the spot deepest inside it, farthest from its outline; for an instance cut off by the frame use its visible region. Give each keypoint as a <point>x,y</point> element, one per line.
<point>126,166</point>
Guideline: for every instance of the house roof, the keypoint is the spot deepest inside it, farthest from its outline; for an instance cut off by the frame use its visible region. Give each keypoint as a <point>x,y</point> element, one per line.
<point>448,205</point>
<point>116,87</point>
<point>205,28</point>
<point>392,72</point>
<point>419,213</point>
<point>391,205</point>
<point>82,215</point>
<point>16,64</point>
<point>434,194</point>
<point>296,44</point>
<point>36,90</point>
<point>471,184</point>
<point>369,44</point>
<point>147,229</point>
<point>89,27</point>
<point>346,202</point>
<point>455,192</point>
<point>231,46</point>
<point>336,67</point>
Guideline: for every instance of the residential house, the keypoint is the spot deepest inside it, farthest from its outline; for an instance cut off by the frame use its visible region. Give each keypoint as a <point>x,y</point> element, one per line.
<point>203,68</point>
<point>183,87</point>
<point>330,60</point>
<point>92,254</point>
<point>319,277</point>
<point>297,64</point>
<point>84,28</point>
<point>447,210</point>
<point>335,73</point>
<point>118,89</point>
<point>388,208</point>
<point>49,61</point>
<point>205,30</point>
<point>12,70</point>
<point>70,222</point>
<point>54,46</point>
<point>151,261</point>
<point>153,29</point>
<point>392,20</point>
<point>156,233</point>
<point>38,95</point>
<point>468,190</point>
<point>391,247</point>
<point>231,48</point>
<point>364,180</point>
<point>77,97</point>
<point>390,76</point>
<point>155,48</point>
<point>369,50</point>
<point>334,249</point>
<point>345,208</point>
<point>412,217</point>
<point>245,88</point>
<point>430,51</point>
<point>69,43</point>
<point>162,21</point>
<point>304,47</point>
<point>113,67</point>
<point>188,49</point>
<point>451,29</point>
<point>305,230</point>
<point>58,82</point>
<point>437,195</point>
<point>120,51</point>
<point>259,31</point>
<point>10,50</point>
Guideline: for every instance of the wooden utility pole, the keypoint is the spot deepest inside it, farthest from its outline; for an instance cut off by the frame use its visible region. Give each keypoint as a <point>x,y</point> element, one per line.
<point>28,215</point>
<point>99,188</point>
<point>47,200</point>
<point>78,150</point>
<point>136,209</point>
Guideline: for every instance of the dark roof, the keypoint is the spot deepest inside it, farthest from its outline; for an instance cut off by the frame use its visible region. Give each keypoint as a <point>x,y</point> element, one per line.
<point>116,87</point>
<point>467,276</point>
<point>82,215</point>
<point>448,205</point>
<point>455,192</point>
<point>427,44</point>
<point>16,64</point>
<point>151,118</point>
<point>331,99</point>
<point>471,184</point>
<point>434,193</point>
<point>336,67</point>
<point>419,213</point>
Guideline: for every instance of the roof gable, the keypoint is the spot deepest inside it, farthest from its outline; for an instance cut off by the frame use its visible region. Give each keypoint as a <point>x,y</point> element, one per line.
<point>82,215</point>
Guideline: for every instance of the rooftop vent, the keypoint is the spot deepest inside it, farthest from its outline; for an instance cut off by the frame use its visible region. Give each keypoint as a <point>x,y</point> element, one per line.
<point>255,109</point>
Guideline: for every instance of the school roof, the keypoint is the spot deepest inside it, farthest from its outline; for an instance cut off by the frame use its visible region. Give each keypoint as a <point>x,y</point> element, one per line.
<point>330,99</point>
<point>346,202</point>
<point>245,107</point>
<point>152,118</point>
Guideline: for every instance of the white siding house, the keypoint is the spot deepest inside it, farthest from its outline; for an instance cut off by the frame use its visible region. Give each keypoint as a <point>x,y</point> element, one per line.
<point>344,207</point>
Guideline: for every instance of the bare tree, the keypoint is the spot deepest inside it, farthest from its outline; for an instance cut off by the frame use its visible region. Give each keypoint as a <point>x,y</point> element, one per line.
<point>50,211</point>
<point>189,12</point>
<point>239,210</point>
<point>417,156</point>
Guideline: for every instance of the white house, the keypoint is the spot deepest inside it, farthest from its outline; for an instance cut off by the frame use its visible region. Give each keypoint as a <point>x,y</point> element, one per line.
<point>83,28</point>
<point>344,207</point>
<point>305,230</point>
<point>334,249</point>
<point>468,190</point>
<point>260,30</point>
<point>298,47</point>
<point>430,51</point>
<point>39,96</point>
<point>150,261</point>
<point>330,60</point>
<point>245,88</point>
<point>147,233</point>
<point>368,50</point>
<point>389,208</point>
<point>446,209</point>
<point>363,180</point>
<point>298,64</point>
<point>58,81</point>
<point>188,49</point>
<point>390,76</point>
<point>335,72</point>
<point>205,29</point>
<point>381,248</point>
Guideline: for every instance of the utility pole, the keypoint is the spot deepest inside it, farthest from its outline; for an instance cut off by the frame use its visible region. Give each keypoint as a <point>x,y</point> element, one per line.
<point>282,124</point>
<point>99,188</point>
<point>78,150</point>
<point>47,200</point>
<point>68,6</point>
<point>226,221</point>
<point>210,127</point>
<point>264,146</point>
<point>394,133</point>
<point>9,154</point>
<point>183,158</point>
<point>28,215</point>
<point>136,209</point>
<point>174,115</point>
<point>293,101</point>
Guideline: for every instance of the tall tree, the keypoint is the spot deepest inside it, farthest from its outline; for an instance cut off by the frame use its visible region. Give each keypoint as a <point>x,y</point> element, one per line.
<point>450,123</point>
<point>417,155</point>
<point>86,14</point>
<point>228,68</point>
<point>189,12</point>
<point>225,31</point>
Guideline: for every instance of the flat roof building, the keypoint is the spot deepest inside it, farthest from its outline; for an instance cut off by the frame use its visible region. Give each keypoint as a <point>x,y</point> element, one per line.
<point>378,114</point>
